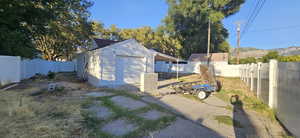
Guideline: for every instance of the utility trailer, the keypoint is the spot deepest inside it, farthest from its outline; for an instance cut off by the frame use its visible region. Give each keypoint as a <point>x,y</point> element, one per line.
<point>202,89</point>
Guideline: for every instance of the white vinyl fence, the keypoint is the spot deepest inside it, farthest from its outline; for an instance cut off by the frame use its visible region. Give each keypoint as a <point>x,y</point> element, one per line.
<point>13,69</point>
<point>31,67</point>
<point>277,84</point>
<point>221,69</point>
<point>9,69</point>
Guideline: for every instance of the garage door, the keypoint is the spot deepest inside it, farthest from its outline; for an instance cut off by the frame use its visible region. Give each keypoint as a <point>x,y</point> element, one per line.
<point>129,69</point>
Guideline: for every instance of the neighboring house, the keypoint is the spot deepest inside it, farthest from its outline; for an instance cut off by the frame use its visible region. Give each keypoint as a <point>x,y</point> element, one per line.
<point>112,63</point>
<point>215,58</point>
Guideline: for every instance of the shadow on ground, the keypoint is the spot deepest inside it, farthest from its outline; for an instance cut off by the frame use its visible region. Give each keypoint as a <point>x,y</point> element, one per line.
<point>241,120</point>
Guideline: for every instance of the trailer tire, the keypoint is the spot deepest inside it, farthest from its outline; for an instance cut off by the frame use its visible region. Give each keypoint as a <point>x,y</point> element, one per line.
<point>202,95</point>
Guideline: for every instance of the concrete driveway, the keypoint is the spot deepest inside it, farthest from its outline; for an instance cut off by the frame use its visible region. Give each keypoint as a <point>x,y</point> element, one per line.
<point>203,114</point>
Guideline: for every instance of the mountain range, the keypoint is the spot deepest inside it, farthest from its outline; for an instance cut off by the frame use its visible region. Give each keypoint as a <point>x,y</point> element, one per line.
<point>254,52</point>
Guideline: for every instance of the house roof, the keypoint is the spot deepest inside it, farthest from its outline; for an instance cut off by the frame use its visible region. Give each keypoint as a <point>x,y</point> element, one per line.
<point>200,57</point>
<point>163,57</point>
<point>104,42</point>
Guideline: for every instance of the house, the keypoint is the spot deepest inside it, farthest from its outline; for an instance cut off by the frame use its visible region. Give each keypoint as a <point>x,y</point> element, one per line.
<point>215,58</point>
<point>115,63</point>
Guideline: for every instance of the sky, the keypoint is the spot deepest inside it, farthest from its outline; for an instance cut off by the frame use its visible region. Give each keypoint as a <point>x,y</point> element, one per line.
<point>276,26</point>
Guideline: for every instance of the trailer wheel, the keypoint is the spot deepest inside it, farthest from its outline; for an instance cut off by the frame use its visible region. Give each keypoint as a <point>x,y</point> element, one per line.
<point>202,95</point>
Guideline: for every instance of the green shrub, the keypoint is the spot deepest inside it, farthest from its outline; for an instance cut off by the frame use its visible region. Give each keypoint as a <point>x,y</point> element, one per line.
<point>295,58</point>
<point>243,60</point>
<point>269,56</point>
<point>51,75</point>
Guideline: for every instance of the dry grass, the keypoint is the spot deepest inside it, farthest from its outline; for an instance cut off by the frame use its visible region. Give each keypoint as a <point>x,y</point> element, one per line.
<point>45,115</point>
<point>29,111</point>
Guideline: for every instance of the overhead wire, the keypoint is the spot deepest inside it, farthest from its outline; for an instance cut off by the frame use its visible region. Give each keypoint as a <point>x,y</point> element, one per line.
<point>259,5</point>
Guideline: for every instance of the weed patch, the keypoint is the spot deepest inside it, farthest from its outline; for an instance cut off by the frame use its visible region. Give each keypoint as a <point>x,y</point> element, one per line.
<point>228,121</point>
<point>249,102</point>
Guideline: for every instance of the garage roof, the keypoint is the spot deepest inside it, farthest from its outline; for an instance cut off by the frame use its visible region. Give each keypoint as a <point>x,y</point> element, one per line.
<point>101,43</point>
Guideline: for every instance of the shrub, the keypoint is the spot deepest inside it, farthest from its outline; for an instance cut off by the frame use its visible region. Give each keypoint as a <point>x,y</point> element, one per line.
<point>270,55</point>
<point>51,75</point>
<point>295,58</point>
<point>243,60</point>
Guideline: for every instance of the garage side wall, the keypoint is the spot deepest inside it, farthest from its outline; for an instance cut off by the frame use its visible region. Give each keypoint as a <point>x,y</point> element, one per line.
<point>93,67</point>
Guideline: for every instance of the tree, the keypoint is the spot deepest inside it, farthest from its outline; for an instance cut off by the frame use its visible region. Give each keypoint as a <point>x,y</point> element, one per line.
<point>152,39</point>
<point>187,21</point>
<point>54,28</point>
<point>223,47</point>
<point>70,30</point>
<point>19,20</point>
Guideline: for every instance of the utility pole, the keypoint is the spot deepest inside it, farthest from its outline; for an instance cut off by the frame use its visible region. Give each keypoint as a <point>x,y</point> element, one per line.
<point>208,38</point>
<point>238,29</point>
<point>208,35</point>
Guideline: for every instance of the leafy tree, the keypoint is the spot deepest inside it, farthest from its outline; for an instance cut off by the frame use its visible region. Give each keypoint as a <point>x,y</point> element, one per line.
<point>53,28</point>
<point>187,21</point>
<point>223,47</point>
<point>19,20</point>
<point>67,32</point>
<point>152,39</point>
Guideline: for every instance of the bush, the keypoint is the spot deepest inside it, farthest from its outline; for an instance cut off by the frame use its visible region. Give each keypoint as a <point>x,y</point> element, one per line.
<point>295,58</point>
<point>243,60</point>
<point>51,75</point>
<point>270,55</point>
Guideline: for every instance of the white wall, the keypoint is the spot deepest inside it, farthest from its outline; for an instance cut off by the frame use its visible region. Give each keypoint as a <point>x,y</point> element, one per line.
<point>227,70</point>
<point>221,68</point>
<point>9,69</point>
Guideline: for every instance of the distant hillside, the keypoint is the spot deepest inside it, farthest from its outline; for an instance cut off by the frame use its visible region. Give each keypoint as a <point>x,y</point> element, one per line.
<point>254,52</point>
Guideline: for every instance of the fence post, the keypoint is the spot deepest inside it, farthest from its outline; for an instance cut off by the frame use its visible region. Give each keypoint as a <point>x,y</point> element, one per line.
<point>243,73</point>
<point>252,77</point>
<point>258,80</point>
<point>273,76</point>
<point>248,74</point>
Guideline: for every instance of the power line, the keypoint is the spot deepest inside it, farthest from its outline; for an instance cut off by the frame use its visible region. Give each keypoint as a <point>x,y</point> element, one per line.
<point>259,5</point>
<point>250,16</point>
<point>277,28</point>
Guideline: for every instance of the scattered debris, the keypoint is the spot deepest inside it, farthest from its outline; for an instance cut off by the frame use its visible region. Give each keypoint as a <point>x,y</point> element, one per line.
<point>52,87</point>
<point>6,87</point>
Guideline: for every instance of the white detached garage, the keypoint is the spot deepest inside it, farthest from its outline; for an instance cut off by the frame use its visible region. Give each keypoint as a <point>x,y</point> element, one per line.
<point>113,63</point>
